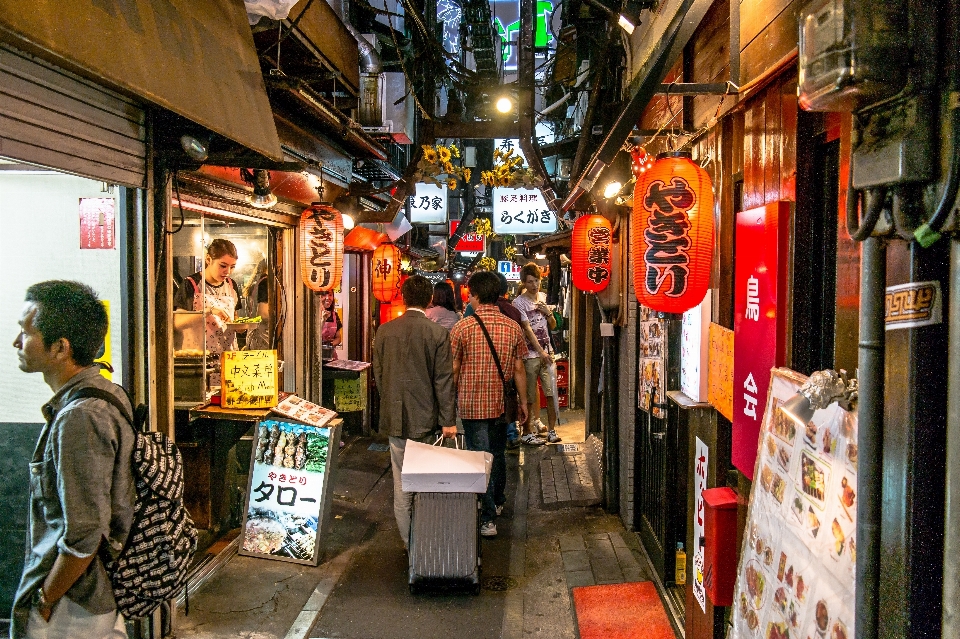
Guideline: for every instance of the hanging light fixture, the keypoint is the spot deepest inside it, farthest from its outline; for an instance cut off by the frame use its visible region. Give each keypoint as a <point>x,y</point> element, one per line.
<point>386,273</point>
<point>261,197</point>
<point>673,234</point>
<point>321,247</point>
<point>591,253</point>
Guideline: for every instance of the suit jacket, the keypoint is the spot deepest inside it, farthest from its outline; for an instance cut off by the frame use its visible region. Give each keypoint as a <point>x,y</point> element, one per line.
<point>413,368</point>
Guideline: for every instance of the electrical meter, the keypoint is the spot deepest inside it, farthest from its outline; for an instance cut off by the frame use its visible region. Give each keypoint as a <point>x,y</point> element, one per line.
<point>852,53</point>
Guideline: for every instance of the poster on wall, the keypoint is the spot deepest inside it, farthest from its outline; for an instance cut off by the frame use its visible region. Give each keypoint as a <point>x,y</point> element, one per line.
<point>694,337</point>
<point>700,462</point>
<point>97,222</point>
<point>720,373</point>
<point>287,493</point>
<point>652,381</point>
<point>797,562</point>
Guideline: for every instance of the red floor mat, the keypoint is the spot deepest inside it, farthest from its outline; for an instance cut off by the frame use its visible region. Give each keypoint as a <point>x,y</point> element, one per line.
<point>621,611</point>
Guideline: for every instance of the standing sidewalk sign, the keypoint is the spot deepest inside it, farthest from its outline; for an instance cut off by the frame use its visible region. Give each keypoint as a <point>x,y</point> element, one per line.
<point>700,484</point>
<point>758,321</point>
<point>798,559</point>
<point>521,212</point>
<point>288,501</point>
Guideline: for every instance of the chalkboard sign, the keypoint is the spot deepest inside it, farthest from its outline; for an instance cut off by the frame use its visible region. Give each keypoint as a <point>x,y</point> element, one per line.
<point>288,499</point>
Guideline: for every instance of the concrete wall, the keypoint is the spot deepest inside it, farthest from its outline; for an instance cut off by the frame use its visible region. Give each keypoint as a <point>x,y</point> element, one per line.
<point>627,337</point>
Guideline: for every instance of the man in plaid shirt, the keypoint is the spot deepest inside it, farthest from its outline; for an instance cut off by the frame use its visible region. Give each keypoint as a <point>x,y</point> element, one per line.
<point>479,388</point>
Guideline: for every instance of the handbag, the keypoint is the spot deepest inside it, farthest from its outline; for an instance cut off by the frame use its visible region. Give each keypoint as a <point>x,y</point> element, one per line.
<point>511,401</point>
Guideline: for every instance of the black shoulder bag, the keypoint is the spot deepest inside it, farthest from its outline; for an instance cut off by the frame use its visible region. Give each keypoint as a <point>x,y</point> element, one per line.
<point>511,401</point>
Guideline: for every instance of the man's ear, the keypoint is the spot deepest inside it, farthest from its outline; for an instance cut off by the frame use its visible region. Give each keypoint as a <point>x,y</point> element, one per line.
<point>61,349</point>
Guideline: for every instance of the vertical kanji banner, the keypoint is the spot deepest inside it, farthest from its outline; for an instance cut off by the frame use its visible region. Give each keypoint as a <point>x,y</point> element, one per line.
<point>758,321</point>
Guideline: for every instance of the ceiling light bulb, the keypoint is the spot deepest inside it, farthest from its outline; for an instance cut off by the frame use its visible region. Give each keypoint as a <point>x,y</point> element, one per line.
<point>348,222</point>
<point>541,256</point>
<point>626,25</point>
<point>504,105</point>
<point>612,189</point>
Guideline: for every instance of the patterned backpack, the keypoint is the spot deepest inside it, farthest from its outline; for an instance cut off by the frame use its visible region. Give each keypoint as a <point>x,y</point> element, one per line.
<point>152,566</point>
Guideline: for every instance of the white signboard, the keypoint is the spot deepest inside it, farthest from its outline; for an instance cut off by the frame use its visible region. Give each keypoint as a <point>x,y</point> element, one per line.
<point>509,270</point>
<point>521,212</point>
<point>428,204</point>
<point>700,483</point>
<point>694,338</point>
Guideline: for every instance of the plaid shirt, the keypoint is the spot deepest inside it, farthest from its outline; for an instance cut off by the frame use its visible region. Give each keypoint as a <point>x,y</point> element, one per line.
<point>479,390</point>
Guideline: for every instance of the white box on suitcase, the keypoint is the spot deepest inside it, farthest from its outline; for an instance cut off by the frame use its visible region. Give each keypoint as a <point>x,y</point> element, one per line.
<point>438,469</point>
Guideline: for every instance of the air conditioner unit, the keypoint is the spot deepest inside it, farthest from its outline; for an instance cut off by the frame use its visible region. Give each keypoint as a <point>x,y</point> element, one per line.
<point>380,116</point>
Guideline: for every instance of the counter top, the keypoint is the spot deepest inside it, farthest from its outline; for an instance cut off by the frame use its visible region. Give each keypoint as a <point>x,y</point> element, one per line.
<point>213,411</point>
<point>683,401</point>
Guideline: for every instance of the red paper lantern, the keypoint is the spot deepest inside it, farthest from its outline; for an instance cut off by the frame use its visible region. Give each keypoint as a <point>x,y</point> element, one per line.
<point>591,251</point>
<point>321,247</point>
<point>672,234</point>
<point>391,311</point>
<point>386,273</point>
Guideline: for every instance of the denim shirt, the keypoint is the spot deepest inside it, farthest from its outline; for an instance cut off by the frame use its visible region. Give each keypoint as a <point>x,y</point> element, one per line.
<point>81,492</point>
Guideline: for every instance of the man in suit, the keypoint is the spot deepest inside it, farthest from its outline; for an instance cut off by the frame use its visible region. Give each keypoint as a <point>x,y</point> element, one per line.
<point>413,369</point>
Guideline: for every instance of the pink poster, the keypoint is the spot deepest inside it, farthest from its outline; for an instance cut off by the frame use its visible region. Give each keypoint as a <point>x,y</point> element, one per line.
<point>758,321</point>
<point>97,222</point>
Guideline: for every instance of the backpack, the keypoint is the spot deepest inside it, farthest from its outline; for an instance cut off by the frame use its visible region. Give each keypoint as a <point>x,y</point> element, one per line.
<point>152,566</point>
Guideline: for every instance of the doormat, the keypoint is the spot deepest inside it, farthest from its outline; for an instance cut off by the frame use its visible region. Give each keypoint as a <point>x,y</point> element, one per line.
<point>618,611</point>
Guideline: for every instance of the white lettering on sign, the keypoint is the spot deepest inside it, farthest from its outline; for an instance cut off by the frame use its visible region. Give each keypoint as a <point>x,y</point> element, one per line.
<point>521,212</point>
<point>753,299</point>
<point>509,270</point>
<point>750,410</point>
<point>429,204</point>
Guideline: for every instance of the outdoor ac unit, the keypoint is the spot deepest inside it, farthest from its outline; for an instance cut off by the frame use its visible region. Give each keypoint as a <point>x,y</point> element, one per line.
<point>379,114</point>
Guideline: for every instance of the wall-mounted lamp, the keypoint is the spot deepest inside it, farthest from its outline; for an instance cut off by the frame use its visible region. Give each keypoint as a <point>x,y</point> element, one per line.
<point>504,104</point>
<point>261,197</point>
<point>628,20</point>
<point>612,189</point>
<point>822,389</point>
<point>195,147</point>
<point>348,222</point>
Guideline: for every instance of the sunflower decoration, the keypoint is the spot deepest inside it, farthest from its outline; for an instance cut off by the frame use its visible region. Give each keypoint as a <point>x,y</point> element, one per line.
<point>482,226</point>
<point>508,170</point>
<point>436,166</point>
<point>510,252</point>
<point>486,263</point>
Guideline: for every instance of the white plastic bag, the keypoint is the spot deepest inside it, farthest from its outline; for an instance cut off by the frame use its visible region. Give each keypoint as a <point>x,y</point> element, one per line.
<point>273,9</point>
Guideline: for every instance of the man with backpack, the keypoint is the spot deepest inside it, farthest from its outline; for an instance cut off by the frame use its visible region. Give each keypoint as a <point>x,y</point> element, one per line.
<point>82,493</point>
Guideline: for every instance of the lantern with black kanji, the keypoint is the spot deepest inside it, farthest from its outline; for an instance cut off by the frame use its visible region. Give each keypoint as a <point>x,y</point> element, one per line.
<point>591,252</point>
<point>386,273</point>
<point>672,233</point>
<point>321,247</point>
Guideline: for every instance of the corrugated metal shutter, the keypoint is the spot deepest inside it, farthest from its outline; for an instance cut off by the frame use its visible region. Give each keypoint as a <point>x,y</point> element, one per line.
<point>51,117</point>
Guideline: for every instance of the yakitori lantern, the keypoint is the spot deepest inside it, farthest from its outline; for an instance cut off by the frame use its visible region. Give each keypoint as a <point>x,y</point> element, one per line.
<point>321,247</point>
<point>591,253</point>
<point>672,234</point>
<point>386,273</point>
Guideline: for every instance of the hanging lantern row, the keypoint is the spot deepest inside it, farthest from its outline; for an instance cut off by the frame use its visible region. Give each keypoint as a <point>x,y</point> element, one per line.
<point>673,234</point>
<point>591,253</point>
<point>386,273</point>
<point>321,247</point>
<point>640,161</point>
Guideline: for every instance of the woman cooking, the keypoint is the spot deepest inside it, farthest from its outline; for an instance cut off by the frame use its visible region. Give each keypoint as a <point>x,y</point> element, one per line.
<point>216,294</point>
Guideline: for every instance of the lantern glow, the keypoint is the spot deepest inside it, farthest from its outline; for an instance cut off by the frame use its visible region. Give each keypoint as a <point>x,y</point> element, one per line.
<point>386,273</point>
<point>591,253</point>
<point>672,234</point>
<point>321,247</point>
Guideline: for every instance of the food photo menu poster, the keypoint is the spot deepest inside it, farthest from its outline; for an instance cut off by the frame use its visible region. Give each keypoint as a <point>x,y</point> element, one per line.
<point>797,564</point>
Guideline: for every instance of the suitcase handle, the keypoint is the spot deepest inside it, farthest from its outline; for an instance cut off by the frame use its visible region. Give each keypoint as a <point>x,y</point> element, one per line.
<point>456,441</point>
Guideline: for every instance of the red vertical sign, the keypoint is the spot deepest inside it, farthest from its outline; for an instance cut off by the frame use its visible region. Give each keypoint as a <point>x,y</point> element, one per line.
<point>470,242</point>
<point>97,220</point>
<point>758,322</point>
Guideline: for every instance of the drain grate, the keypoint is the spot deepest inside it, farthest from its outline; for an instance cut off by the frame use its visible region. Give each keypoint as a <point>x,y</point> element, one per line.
<point>499,584</point>
<point>568,449</point>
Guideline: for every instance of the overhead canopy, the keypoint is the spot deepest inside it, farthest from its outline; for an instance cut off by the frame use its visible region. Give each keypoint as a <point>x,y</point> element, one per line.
<point>661,45</point>
<point>196,59</point>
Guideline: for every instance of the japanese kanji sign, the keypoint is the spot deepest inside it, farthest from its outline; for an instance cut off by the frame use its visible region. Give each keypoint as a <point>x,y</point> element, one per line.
<point>758,323</point>
<point>428,205</point>
<point>350,394</point>
<point>720,373</point>
<point>287,490</point>
<point>97,222</point>
<point>470,242</point>
<point>699,485</point>
<point>249,379</point>
<point>521,212</point>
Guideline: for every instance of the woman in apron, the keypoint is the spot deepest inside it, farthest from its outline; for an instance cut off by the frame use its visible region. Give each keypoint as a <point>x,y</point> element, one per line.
<point>331,327</point>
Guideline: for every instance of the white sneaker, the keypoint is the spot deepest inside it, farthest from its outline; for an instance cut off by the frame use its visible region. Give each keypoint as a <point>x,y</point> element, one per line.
<point>553,438</point>
<point>488,529</point>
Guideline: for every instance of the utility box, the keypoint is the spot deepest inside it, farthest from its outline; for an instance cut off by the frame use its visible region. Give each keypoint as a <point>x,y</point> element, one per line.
<point>720,544</point>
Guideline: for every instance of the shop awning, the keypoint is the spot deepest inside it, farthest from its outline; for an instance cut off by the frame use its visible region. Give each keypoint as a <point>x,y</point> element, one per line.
<point>662,44</point>
<point>196,59</point>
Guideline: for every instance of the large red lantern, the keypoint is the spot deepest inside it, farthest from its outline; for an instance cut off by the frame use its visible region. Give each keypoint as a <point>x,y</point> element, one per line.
<point>386,273</point>
<point>672,234</point>
<point>321,247</point>
<point>591,253</point>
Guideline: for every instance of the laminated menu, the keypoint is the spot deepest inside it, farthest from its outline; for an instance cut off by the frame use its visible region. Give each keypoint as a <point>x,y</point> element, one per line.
<point>300,409</point>
<point>797,562</point>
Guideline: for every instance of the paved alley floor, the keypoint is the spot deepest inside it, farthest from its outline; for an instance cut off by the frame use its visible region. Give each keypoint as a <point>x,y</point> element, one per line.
<point>553,536</point>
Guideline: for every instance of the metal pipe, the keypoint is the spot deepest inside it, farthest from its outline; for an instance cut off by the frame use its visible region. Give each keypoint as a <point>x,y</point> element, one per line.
<point>873,275</point>
<point>951,538</point>
<point>611,432</point>
<point>369,58</point>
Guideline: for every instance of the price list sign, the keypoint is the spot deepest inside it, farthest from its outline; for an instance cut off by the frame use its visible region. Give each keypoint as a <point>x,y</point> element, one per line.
<point>249,379</point>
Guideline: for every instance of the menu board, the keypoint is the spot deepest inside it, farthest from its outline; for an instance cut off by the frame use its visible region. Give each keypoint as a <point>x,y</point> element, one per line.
<point>350,395</point>
<point>303,411</point>
<point>287,491</point>
<point>652,384</point>
<point>249,379</point>
<point>797,563</point>
<point>720,370</point>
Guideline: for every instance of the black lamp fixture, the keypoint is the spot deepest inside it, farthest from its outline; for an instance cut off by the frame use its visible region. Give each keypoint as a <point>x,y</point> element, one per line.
<point>261,197</point>
<point>821,389</point>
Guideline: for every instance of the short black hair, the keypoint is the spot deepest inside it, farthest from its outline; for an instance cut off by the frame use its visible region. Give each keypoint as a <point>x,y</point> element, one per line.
<point>416,291</point>
<point>485,286</point>
<point>72,311</point>
<point>504,285</point>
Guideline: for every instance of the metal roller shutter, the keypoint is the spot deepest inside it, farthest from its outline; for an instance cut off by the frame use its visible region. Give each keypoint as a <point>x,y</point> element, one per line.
<point>51,117</point>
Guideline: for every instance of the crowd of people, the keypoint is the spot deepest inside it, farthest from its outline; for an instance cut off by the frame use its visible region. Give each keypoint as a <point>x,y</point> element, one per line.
<point>435,365</point>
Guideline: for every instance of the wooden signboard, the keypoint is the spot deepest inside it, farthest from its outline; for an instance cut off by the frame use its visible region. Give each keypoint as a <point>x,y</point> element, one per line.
<point>720,370</point>
<point>249,379</point>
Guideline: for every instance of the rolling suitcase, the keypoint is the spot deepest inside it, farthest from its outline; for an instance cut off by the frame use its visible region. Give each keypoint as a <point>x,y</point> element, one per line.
<point>445,541</point>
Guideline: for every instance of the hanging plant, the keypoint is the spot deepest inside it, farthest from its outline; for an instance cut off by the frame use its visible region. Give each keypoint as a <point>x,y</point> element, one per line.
<point>436,167</point>
<point>482,226</point>
<point>510,252</point>
<point>508,170</point>
<point>486,263</point>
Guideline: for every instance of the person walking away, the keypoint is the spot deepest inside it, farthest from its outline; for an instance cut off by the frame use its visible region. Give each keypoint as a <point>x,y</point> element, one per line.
<point>413,369</point>
<point>538,321</point>
<point>81,476</point>
<point>443,307</point>
<point>508,309</point>
<point>479,386</point>
<point>214,292</point>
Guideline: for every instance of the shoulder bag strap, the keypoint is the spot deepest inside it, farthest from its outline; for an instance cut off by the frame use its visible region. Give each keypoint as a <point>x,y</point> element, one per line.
<point>496,359</point>
<point>110,398</point>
